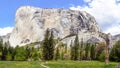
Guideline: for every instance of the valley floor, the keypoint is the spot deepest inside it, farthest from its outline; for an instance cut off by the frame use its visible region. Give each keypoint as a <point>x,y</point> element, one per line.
<point>56,64</point>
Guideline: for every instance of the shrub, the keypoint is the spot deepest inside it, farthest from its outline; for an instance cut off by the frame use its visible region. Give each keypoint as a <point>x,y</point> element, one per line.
<point>9,56</point>
<point>20,54</point>
<point>102,56</point>
<point>35,55</point>
<point>115,52</point>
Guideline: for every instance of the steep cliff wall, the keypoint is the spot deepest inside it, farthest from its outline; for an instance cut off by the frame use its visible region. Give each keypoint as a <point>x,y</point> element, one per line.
<point>31,23</point>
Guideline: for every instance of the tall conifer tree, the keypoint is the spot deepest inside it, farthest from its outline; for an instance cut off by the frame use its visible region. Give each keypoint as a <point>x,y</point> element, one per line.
<point>76,47</point>
<point>51,46</point>
<point>48,46</point>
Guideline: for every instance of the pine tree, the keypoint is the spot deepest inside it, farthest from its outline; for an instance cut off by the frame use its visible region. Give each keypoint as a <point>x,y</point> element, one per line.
<point>45,45</point>
<point>72,51</point>
<point>81,49</point>
<point>51,46</point>
<point>14,52</point>
<point>28,52</point>
<point>9,53</point>
<point>48,46</point>
<point>92,52</point>
<point>5,51</point>
<point>1,49</point>
<point>62,46</point>
<point>87,51</point>
<point>115,52</point>
<point>57,55</point>
<point>76,48</point>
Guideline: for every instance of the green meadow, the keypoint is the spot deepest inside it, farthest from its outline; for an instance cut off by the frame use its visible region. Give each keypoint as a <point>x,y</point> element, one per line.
<point>20,64</point>
<point>56,64</point>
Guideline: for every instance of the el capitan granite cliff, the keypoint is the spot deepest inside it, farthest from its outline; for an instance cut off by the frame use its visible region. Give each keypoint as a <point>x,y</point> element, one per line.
<point>31,24</point>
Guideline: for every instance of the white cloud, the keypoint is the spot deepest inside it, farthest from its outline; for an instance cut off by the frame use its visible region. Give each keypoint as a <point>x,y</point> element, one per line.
<point>87,0</point>
<point>5,30</point>
<point>106,12</point>
<point>114,30</point>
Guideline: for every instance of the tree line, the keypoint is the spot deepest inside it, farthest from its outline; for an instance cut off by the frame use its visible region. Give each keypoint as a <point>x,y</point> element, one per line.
<point>53,49</point>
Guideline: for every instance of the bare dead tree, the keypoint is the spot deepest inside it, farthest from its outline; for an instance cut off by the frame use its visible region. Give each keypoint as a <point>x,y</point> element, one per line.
<point>107,38</point>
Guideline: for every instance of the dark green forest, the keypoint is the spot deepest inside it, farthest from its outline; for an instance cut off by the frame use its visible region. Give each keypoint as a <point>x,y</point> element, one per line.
<point>53,49</point>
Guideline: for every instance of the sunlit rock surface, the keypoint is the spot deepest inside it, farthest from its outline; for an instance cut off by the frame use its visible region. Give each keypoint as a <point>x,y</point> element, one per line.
<point>31,23</point>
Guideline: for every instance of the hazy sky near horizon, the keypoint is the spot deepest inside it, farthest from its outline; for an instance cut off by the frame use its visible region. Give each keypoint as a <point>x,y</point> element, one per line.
<point>106,12</point>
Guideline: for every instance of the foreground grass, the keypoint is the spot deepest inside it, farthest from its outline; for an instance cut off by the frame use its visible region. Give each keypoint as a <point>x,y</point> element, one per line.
<point>56,64</point>
<point>20,64</point>
<point>80,64</point>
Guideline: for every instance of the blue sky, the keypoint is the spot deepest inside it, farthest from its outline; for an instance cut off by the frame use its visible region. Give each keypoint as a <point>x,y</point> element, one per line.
<point>106,13</point>
<point>9,7</point>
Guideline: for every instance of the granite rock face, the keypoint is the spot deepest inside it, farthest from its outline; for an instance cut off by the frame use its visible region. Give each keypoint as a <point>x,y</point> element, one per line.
<point>5,38</point>
<point>116,37</point>
<point>31,23</point>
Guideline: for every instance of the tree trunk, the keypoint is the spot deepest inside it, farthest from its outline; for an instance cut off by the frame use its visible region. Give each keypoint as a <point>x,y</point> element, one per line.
<point>108,44</point>
<point>106,54</point>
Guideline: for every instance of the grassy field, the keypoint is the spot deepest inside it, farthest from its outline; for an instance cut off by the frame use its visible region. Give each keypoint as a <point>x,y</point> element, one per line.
<point>20,64</point>
<point>56,64</point>
<point>80,64</point>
